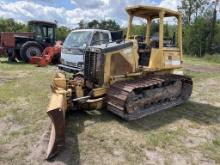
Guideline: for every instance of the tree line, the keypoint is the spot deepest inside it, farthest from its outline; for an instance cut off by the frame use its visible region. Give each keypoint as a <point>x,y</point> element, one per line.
<point>10,25</point>
<point>109,24</point>
<point>201,29</point>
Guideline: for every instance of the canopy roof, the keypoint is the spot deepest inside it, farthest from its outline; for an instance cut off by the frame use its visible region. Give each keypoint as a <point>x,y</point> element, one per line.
<point>41,22</point>
<point>150,11</point>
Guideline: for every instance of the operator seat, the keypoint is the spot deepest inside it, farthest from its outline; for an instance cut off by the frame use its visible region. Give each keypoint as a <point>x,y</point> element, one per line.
<point>144,51</point>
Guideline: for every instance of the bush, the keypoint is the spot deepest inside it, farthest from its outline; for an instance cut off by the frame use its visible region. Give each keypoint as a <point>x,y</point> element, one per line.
<point>212,58</point>
<point>196,37</point>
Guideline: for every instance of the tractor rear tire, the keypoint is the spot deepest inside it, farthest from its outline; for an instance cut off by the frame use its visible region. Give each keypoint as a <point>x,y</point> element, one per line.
<point>29,49</point>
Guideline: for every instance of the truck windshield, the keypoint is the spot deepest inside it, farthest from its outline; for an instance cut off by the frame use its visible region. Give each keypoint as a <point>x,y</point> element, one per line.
<point>77,39</point>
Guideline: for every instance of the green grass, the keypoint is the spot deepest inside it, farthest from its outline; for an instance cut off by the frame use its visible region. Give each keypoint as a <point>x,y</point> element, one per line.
<point>201,75</point>
<point>206,60</point>
<point>215,58</point>
<point>212,149</point>
<point>24,91</point>
<point>164,138</point>
<point>99,137</point>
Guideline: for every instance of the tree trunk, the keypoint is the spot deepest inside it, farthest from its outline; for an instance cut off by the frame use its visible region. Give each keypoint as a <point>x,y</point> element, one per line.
<point>212,28</point>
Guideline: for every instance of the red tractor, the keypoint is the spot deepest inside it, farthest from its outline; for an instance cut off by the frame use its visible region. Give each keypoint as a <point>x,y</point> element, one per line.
<point>49,55</point>
<point>24,46</point>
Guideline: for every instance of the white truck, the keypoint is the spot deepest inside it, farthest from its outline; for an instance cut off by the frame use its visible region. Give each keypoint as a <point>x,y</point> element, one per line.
<point>75,44</point>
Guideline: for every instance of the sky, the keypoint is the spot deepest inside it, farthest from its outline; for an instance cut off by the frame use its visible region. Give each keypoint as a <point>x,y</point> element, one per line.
<point>70,12</point>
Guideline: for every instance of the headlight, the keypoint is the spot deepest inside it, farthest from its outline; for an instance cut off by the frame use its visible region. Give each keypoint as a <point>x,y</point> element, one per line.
<point>96,50</point>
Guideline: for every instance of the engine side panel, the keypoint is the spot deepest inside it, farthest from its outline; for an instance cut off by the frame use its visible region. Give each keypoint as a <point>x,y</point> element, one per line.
<point>119,65</point>
<point>120,62</point>
<point>104,61</point>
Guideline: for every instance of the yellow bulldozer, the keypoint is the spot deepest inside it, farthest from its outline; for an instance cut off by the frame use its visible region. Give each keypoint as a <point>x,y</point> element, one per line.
<point>131,78</point>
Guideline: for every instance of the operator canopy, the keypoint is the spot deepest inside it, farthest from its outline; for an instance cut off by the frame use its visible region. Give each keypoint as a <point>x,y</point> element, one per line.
<point>150,11</point>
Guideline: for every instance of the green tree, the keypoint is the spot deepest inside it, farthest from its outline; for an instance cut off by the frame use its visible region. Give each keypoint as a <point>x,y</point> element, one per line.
<point>213,26</point>
<point>62,32</point>
<point>217,35</point>
<point>94,24</point>
<point>187,9</point>
<point>216,40</point>
<point>166,30</point>
<point>154,27</point>
<point>82,24</point>
<point>197,37</point>
<point>9,25</point>
<point>109,25</point>
<point>199,26</point>
<point>139,30</point>
<point>103,24</point>
<point>191,9</point>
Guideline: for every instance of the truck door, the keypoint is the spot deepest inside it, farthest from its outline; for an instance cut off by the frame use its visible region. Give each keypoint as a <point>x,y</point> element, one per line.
<point>100,38</point>
<point>104,37</point>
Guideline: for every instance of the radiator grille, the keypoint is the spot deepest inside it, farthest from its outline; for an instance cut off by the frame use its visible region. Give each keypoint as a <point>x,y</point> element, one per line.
<point>93,69</point>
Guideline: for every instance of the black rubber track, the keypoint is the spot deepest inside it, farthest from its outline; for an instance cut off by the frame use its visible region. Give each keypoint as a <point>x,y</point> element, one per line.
<point>118,93</point>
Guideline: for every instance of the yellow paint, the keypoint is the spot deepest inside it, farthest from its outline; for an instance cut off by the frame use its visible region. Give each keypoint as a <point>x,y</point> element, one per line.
<point>97,92</point>
<point>162,60</point>
<point>79,91</point>
<point>149,22</point>
<point>129,27</point>
<point>155,59</point>
<point>58,99</point>
<point>159,56</point>
<point>180,36</point>
<point>129,54</point>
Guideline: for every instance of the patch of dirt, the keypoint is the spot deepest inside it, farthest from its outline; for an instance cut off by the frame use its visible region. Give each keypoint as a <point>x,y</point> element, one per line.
<point>3,126</point>
<point>179,159</point>
<point>161,157</point>
<point>21,74</point>
<point>202,132</point>
<point>38,152</point>
<point>105,139</point>
<point>192,142</point>
<point>4,77</point>
<point>199,158</point>
<point>202,69</point>
<point>154,157</point>
<point>207,91</point>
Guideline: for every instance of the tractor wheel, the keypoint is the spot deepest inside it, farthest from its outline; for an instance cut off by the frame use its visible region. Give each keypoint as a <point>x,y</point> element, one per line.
<point>29,49</point>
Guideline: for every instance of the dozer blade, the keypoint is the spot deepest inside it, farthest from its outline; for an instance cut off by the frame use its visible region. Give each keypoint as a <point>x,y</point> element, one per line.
<point>56,111</point>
